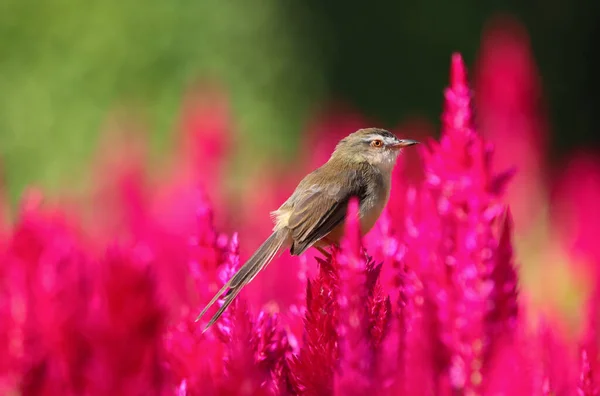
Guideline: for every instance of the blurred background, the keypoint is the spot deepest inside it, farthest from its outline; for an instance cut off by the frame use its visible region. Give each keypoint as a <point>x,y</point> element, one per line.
<point>68,68</point>
<point>286,80</point>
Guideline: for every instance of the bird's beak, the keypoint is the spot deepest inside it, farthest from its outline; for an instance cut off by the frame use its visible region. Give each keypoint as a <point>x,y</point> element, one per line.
<point>404,143</point>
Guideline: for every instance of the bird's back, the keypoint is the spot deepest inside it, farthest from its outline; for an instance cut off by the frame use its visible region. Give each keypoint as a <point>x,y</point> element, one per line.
<point>329,188</point>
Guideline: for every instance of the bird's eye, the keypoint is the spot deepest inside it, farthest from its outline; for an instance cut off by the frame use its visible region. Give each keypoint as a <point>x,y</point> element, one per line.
<point>377,143</point>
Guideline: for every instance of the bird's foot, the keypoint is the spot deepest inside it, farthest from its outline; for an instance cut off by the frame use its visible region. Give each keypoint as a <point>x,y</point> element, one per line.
<point>323,251</point>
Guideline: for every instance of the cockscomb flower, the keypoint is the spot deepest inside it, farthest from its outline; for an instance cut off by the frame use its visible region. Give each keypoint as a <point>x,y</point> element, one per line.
<point>312,370</point>
<point>226,271</point>
<point>586,386</point>
<point>454,230</point>
<point>502,315</point>
<point>273,350</point>
<point>205,142</point>
<point>256,351</point>
<point>555,358</point>
<point>46,286</point>
<point>364,313</point>
<point>234,329</point>
<point>574,206</point>
<point>511,116</point>
<point>128,354</point>
<point>589,338</point>
<point>347,319</point>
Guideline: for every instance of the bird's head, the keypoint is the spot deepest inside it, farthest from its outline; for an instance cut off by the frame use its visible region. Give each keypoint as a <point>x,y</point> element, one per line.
<point>376,146</point>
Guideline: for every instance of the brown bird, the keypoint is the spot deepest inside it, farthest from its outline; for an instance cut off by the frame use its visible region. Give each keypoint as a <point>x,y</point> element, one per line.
<point>360,166</point>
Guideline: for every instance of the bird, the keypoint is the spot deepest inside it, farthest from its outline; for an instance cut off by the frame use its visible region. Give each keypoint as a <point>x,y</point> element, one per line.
<point>314,215</point>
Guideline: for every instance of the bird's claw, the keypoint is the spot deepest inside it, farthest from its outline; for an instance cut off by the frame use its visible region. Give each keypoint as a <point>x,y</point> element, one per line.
<point>323,252</point>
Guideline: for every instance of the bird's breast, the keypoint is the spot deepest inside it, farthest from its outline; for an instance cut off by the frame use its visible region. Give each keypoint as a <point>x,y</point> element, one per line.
<point>371,215</point>
<point>371,209</point>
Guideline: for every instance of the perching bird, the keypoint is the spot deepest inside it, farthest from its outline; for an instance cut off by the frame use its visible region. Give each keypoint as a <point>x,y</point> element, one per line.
<point>360,166</point>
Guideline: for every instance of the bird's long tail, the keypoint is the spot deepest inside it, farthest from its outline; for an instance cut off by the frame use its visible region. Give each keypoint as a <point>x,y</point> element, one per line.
<point>259,260</point>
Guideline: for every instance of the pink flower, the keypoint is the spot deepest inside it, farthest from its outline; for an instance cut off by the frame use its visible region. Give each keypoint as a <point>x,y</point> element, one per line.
<point>586,386</point>
<point>312,370</point>
<point>46,287</point>
<point>511,115</point>
<point>364,313</point>
<point>574,210</point>
<point>128,325</point>
<point>452,231</point>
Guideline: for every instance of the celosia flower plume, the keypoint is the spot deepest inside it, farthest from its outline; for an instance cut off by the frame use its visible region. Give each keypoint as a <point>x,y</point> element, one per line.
<point>511,116</point>
<point>453,241</point>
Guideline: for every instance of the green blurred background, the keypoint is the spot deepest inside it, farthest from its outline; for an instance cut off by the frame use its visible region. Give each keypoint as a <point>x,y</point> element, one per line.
<point>66,65</point>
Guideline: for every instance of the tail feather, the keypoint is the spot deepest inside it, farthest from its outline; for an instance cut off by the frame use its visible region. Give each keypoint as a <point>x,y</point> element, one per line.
<point>259,260</point>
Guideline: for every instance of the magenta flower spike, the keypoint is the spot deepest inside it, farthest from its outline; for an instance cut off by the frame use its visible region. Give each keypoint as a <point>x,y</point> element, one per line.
<point>454,229</point>
<point>356,357</point>
<point>502,317</point>
<point>586,386</point>
<point>128,349</point>
<point>312,369</point>
<point>577,189</point>
<point>46,291</point>
<point>511,115</point>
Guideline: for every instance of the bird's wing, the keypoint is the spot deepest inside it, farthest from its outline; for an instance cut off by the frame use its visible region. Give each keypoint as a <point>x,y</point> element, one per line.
<point>321,207</point>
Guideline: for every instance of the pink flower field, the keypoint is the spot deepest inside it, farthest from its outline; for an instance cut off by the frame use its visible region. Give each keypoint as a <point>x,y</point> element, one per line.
<point>481,277</point>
